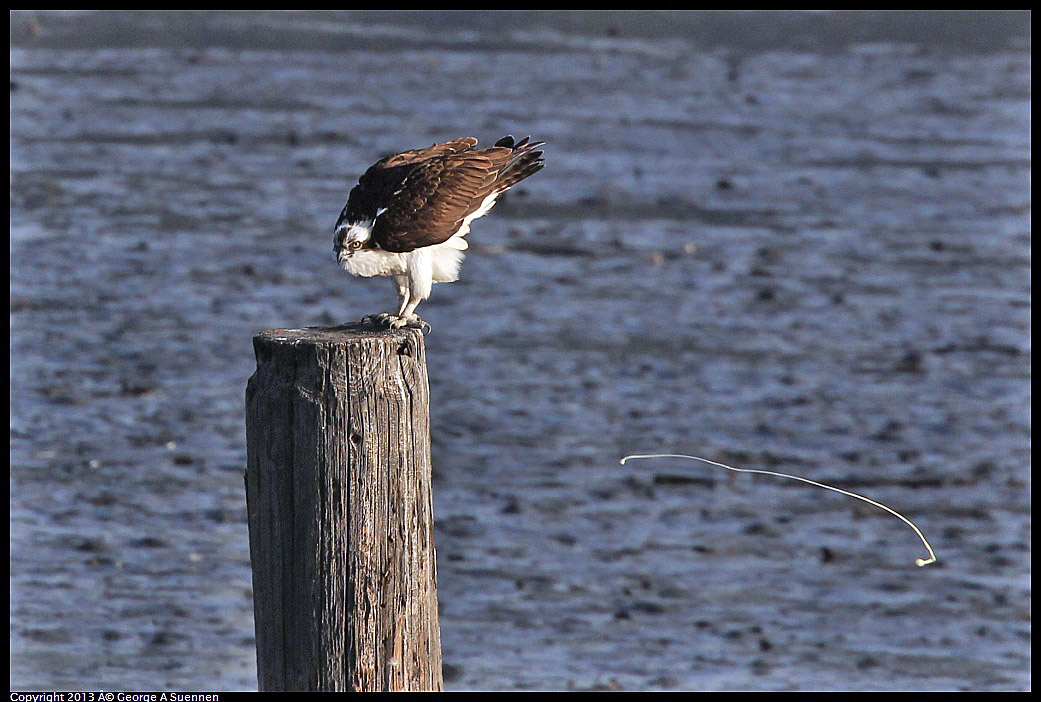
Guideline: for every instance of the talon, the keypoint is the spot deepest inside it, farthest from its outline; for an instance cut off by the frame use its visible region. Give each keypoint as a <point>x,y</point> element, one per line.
<point>419,324</point>
<point>383,319</point>
<point>392,321</point>
<point>413,322</point>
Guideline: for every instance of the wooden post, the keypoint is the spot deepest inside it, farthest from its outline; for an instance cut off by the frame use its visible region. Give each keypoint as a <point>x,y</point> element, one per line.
<point>341,512</point>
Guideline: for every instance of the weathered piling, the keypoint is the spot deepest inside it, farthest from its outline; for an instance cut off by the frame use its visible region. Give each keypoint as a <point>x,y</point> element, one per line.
<point>338,489</point>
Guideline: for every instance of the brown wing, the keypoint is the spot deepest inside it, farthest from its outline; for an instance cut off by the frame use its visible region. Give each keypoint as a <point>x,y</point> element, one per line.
<point>434,197</point>
<point>380,186</point>
<point>434,151</point>
<point>421,197</point>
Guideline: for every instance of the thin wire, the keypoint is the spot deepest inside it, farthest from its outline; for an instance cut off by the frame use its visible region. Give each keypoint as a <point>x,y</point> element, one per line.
<point>920,562</point>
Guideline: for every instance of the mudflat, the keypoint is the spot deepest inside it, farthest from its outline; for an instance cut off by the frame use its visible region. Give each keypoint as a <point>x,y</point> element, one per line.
<point>797,242</point>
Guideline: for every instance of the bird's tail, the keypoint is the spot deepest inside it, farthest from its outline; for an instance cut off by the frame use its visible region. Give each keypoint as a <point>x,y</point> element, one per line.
<point>526,161</point>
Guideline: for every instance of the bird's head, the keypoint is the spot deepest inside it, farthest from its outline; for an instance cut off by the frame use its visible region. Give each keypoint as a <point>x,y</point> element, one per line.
<point>351,237</point>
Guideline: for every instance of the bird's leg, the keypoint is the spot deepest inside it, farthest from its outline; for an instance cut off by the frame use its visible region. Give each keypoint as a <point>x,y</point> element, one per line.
<point>407,316</point>
<point>413,287</point>
<point>403,293</point>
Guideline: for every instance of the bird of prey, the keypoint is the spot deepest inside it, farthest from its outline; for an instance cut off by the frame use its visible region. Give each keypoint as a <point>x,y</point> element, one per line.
<point>409,213</point>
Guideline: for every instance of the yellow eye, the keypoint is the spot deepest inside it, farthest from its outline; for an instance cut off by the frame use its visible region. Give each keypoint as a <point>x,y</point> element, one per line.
<point>355,244</point>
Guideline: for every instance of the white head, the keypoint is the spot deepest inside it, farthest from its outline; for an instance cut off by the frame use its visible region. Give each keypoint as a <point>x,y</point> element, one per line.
<point>349,238</point>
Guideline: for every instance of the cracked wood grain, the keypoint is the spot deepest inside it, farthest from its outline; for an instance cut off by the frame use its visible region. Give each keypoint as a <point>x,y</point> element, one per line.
<point>338,485</point>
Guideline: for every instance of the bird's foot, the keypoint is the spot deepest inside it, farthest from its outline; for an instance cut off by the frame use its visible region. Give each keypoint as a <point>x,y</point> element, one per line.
<point>392,321</point>
<point>412,322</point>
<point>377,320</point>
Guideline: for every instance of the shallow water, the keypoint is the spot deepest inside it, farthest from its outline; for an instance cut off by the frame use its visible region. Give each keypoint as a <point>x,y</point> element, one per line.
<point>791,242</point>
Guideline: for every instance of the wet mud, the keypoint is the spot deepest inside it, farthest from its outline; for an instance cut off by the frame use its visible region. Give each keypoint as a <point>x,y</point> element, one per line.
<point>798,243</point>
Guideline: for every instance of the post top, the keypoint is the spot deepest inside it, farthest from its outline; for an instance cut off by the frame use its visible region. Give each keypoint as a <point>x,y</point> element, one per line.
<point>354,331</point>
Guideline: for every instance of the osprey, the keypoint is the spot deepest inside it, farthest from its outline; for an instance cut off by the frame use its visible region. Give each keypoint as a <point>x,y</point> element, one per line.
<point>408,214</point>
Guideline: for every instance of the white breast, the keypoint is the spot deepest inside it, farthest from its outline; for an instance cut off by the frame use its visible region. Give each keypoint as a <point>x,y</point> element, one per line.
<point>368,263</point>
<point>442,259</point>
<point>445,260</point>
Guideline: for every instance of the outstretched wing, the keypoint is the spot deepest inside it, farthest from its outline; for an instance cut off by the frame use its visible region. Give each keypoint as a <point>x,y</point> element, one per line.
<point>435,198</point>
